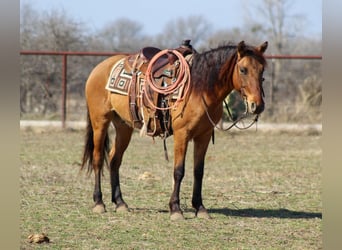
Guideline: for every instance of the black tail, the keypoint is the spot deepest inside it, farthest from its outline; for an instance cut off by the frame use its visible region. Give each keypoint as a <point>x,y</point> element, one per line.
<point>89,147</point>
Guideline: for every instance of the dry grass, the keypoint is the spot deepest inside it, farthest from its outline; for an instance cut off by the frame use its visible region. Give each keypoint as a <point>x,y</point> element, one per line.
<point>263,191</point>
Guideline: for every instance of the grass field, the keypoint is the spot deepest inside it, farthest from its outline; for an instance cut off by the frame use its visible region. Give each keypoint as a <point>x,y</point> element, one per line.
<point>262,189</point>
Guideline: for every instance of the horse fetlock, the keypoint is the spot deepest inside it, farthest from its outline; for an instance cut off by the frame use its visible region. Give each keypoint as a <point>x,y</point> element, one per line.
<point>197,203</point>
<point>174,204</point>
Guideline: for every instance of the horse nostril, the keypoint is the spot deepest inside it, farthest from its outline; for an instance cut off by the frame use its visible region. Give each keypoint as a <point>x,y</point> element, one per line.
<point>253,107</point>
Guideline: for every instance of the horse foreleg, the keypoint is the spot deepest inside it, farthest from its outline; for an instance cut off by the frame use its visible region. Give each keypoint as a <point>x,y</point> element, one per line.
<point>180,147</point>
<point>200,149</point>
<point>122,139</point>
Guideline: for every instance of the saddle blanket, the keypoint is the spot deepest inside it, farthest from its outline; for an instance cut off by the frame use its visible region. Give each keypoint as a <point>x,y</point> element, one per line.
<point>120,80</point>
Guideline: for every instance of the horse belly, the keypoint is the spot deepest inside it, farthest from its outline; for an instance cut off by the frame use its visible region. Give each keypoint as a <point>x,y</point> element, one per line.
<point>120,106</point>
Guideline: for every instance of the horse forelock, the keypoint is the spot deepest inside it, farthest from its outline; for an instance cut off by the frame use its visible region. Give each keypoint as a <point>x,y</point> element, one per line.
<point>257,55</point>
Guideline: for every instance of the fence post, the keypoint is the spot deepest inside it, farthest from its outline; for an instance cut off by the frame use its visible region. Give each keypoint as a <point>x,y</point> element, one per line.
<point>64,89</point>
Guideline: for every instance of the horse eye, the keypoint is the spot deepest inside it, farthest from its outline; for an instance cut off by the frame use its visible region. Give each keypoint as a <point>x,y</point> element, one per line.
<point>243,71</point>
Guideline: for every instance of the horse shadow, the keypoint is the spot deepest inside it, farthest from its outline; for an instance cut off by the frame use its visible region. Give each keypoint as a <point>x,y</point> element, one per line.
<point>281,213</point>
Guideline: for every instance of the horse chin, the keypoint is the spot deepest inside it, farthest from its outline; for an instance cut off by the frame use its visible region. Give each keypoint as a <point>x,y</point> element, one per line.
<point>260,109</point>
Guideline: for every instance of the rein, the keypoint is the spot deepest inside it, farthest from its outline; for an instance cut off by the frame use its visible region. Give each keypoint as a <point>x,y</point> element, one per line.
<point>245,115</point>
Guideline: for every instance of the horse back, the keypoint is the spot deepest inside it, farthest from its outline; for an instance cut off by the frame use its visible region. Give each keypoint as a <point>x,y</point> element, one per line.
<point>99,75</point>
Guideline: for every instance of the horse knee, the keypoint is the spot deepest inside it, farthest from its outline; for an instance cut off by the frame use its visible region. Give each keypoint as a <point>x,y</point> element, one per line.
<point>178,174</point>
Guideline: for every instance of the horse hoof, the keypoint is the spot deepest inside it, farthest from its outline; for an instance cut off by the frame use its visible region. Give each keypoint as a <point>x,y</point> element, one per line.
<point>177,216</point>
<point>203,215</point>
<point>99,208</point>
<point>121,208</point>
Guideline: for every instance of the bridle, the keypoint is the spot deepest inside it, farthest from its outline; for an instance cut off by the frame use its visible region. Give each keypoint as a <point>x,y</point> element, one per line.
<point>243,116</point>
<point>235,123</point>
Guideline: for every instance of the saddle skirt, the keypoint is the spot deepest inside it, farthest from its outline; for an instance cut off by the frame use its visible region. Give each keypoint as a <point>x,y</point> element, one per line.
<point>128,77</point>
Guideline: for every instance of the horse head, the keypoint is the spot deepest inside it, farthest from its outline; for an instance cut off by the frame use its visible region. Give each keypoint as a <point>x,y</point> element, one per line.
<point>248,75</point>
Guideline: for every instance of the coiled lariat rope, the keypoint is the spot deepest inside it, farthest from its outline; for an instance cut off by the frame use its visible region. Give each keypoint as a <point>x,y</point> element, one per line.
<point>183,79</point>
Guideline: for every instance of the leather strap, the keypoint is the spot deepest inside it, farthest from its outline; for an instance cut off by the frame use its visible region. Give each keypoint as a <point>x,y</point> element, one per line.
<point>133,95</point>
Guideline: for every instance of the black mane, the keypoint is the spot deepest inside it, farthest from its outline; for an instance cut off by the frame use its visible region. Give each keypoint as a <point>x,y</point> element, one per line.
<point>206,66</point>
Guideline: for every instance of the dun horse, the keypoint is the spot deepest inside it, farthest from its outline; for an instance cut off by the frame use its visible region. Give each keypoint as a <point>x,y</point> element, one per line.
<point>214,74</point>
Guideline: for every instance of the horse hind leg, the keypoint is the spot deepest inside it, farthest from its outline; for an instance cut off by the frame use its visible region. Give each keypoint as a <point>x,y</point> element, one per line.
<point>100,147</point>
<point>122,139</point>
<point>96,143</point>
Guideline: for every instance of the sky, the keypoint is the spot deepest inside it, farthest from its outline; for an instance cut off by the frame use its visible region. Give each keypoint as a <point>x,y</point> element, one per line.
<point>153,15</point>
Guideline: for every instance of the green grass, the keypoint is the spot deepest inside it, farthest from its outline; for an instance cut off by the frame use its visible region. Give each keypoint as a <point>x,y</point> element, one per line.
<point>263,191</point>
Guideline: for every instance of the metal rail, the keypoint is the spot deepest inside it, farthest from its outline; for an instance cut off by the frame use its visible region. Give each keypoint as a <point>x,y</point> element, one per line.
<point>65,54</point>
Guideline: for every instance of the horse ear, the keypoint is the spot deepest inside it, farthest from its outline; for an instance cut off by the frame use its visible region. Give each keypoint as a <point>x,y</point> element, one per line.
<point>241,49</point>
<point>262,48</point>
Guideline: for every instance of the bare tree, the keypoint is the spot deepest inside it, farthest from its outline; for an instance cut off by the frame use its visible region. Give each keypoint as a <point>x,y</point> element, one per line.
<point>40,86</point>
<point>122,35</point>
<point>276,22</point>
<point>233,36</point>
<point>196,28</point>
<point>40,75</point>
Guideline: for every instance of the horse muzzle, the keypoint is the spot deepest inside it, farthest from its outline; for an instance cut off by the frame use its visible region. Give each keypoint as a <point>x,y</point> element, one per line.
<point>254,108</point>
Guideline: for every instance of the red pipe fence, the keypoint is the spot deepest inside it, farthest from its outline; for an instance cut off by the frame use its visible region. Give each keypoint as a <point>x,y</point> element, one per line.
<point>65,54</point>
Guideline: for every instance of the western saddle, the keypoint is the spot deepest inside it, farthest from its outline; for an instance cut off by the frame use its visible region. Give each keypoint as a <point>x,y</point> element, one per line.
<point>165,71</point>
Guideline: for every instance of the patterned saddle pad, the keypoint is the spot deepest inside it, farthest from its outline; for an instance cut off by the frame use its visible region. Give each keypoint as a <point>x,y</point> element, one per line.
<point>120,80</point>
